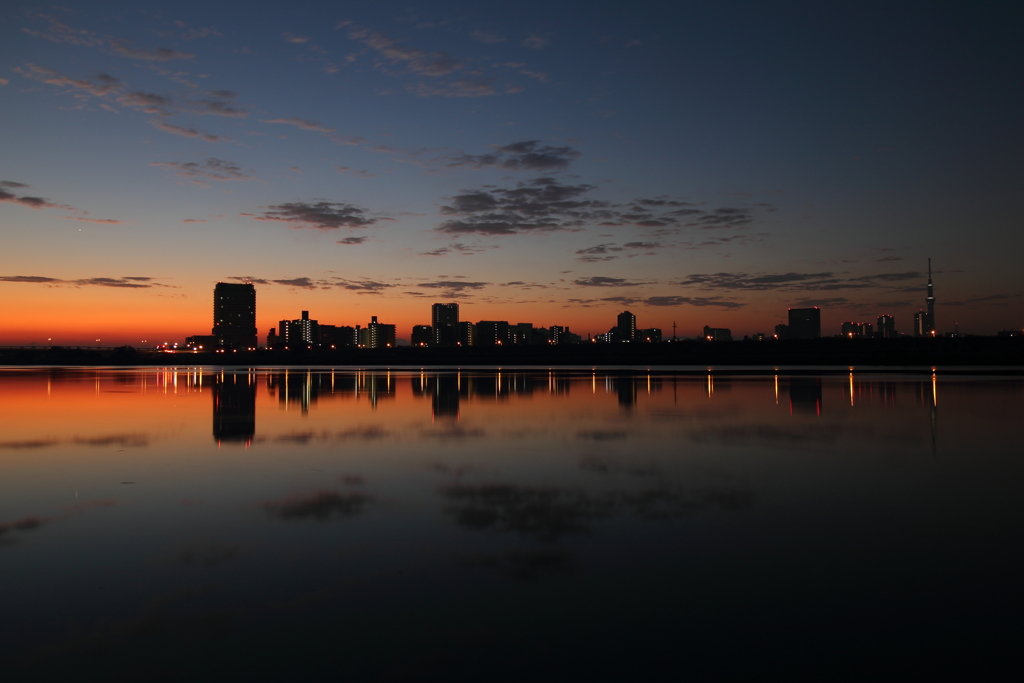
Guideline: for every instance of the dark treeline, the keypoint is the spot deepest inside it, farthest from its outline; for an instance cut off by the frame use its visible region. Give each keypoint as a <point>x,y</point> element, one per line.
<point>978,351</point>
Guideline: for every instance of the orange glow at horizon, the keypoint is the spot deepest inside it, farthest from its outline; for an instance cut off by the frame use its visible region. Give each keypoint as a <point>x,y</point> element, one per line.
<point>80,315</point>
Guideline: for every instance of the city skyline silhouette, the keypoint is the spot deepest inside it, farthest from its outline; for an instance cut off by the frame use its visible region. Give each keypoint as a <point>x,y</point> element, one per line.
<point>698,165</point>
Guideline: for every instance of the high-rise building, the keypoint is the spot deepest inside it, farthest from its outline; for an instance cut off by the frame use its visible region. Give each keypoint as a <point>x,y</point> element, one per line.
<point>924,322</point>
<point>651,335</point>
<point>804,323</point>
<point>234,315</point>
<point>886,327</point>
<point>444,318</point>
<point>422,335</point>
<point>467,333</point>
<point>921,324</point>
<point>852,329</point>
<point>491,333</point>
<point>522,333</point>
<point>300,332</point>
<point>307,329</point>
<point>379,335</point>
<point>337,337</point>
<point>626,322</point>
<point>717,333</point>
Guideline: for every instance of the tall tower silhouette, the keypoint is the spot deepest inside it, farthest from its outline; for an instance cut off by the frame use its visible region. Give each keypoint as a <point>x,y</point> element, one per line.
<point>930,322</point>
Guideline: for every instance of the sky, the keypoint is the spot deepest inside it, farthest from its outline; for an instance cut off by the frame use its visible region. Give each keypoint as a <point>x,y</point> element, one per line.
<point>698,163</point>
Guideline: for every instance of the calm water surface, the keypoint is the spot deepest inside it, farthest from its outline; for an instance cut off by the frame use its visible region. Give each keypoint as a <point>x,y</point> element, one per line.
<point>193,524</point>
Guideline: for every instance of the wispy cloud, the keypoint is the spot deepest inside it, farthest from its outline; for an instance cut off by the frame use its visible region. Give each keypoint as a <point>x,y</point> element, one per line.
<point>128,282</point>
<point>304,124</point>
<point>792,281</point>
<point>345,170</point>
<point>609,251</point>
<point>601,281</point>
<point>528,155</point>
<point>27,200</point>
<point>319,215</point>
<point>545,204</point>
<point>488,37</point>
<point>125,48</point>
<point>60,32</point>
<point>114,91</point>
<point>691,301</point>
<point>362,286</point>
<point>317,127</point>
<point>411,59</point>
<point>100,86</point>
<point>540,205</point>
<point>186,131</point>
<point>103,221</point>
<point>459,248</point>
<point>300,282</point>
<point>476,86</point>
<point>454,288</point>
<point>211,169</point>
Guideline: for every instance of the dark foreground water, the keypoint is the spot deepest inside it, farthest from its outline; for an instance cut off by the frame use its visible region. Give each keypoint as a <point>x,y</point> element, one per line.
<point>207,524</point>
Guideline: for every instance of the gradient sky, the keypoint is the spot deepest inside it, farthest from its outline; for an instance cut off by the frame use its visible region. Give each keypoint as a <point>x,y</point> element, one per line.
<point>704,163</point>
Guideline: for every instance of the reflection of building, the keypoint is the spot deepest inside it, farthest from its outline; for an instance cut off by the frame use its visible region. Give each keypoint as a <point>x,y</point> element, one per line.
<point>234,407</point>
<point>444,401</point>
<point>234,315</point>
<point>300,387</point>
<point>804,323</point>
<point>625,387</point>
<point>444,319</point>
<point>805,395</point>
<point>305,388</point>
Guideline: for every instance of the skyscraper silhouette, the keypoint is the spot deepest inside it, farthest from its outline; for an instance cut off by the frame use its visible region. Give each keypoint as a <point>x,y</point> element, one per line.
<point>930,302</point>
<point>626,322</point>
<point>804,323</point>
<point>444,318</point>
<point>924,321</point>
<point>234,315</point>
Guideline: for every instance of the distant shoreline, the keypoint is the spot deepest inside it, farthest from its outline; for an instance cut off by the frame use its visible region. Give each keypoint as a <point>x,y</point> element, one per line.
<point>880,353</point>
